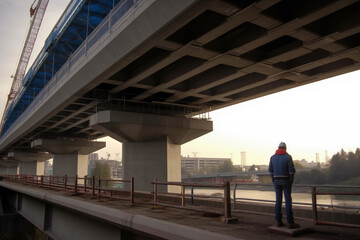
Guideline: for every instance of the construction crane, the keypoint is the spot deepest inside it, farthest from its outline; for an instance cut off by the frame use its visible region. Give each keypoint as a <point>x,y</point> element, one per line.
<point>37,11</point>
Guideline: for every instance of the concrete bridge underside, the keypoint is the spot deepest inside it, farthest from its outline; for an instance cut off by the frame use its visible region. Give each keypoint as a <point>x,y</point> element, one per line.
<point>183,58</point>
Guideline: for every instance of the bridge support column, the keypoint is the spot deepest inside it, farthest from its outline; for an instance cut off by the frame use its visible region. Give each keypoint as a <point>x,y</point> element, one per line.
<point>151,143</point>
<point>8,166</point>
<point>70,155</point>
<point>32,168</point>
<point>31,163</point>
<point>157,159</point>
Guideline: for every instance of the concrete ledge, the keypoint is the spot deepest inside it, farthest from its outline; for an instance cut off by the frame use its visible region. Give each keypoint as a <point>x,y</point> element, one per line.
<point>138,223</point>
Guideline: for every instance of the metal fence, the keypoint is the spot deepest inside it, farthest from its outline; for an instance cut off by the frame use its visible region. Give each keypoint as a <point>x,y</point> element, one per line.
<point>94,186</point>
<point>225,187</point>
<point>98,187</point>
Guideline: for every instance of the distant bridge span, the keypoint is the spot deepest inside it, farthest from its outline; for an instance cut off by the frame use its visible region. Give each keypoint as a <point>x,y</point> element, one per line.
<point>176,59</point>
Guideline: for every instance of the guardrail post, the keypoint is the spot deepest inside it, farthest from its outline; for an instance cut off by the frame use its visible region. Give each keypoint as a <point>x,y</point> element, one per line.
<point>65,182</point>
<point>234,196</point>
<point>85,180</point>
<point>155,191</point>
<point>132,193</point>
<point>182,195</point>
<point>50,180</point>
<point>93,186</point>
<point>99,192</point>
<point>42,180</point>
<point>192,195</point>
<point>227,201</point>
<point>314,204</point>
<point>76,183</point>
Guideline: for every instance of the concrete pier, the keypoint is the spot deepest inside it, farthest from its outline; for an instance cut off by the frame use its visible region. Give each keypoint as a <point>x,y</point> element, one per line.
<point>8,166</point>
<point>70,155</point>
<point>31,163</point>
<point>32,168</point>
<point>151,143</point>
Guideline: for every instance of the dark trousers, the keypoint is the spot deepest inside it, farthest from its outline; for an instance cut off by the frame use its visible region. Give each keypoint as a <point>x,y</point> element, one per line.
<point>283,185</point>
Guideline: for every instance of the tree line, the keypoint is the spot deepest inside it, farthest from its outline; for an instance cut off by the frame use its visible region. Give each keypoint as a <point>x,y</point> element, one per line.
<point>344,169</point>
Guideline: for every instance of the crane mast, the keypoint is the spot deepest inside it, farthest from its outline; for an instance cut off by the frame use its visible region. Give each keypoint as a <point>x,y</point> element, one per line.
<point>37,11</point>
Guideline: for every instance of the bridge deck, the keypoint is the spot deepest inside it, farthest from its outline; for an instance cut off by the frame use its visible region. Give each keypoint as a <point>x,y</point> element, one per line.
<point>181,58</point>
<point>249,225</point>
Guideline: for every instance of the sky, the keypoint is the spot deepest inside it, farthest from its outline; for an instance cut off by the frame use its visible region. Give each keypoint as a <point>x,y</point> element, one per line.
<point>315,118</point>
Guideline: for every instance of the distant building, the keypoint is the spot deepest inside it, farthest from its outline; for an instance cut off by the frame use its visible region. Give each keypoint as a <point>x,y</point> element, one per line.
<point>48,168</point>
<point>307,164</point>
<point>195,164</point>
<point>243,159</point>
<point>93,156</point>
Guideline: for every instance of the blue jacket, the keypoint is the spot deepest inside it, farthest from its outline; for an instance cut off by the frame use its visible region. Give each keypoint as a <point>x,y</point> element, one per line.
<point>281,165</point>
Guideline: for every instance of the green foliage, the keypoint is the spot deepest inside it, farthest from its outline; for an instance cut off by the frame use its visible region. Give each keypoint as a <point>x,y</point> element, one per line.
<point>344,166</point>
<point>227,166</point>
<point>344,169</point>
<point>298,164</point>
<point>103,170</point>
<point>254,168</point>
<point>352,181</point>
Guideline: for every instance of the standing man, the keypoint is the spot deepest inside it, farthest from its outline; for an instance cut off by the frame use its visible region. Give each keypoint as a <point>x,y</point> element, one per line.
<point>282,171</point>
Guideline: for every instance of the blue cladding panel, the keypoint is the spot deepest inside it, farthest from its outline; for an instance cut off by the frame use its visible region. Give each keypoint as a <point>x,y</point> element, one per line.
<point>68,34</point>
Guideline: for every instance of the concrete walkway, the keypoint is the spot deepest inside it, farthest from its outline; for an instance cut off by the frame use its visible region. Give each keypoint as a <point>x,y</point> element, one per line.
<point>166,219</point>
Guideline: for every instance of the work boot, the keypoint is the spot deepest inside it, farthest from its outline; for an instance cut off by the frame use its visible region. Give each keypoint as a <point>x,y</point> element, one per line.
<point>279,224</point>
<point>293,225</point>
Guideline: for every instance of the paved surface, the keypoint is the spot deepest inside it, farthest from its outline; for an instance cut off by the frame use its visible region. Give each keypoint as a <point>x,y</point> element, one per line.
<point>248,226</point>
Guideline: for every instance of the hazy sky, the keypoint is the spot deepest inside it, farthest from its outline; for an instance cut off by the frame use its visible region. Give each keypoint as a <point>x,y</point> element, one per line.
<point>315,118</point>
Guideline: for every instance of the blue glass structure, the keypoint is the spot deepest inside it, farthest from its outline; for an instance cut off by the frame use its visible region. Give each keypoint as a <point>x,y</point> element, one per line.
<point>78,21</point>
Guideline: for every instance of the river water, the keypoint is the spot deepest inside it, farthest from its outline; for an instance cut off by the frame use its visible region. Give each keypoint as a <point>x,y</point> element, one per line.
<point>300,195</point>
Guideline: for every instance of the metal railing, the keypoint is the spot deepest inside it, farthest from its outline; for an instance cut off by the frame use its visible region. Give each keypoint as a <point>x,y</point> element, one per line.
<point>315,192</point>
<point>224,186</point>
<point>96,187</point>
<point>154,107</point>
